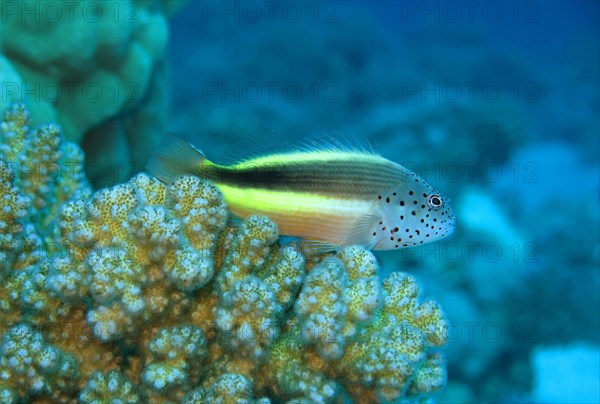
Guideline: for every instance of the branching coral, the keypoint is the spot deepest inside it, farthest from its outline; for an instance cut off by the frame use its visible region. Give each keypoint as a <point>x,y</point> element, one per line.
<point>145,293</point>
<point>111,387</point>
<point>136,259</point>
<point>177,352</point>
<point>31,366</point>
<point>379,356</point>
<point>251,298</point>
<point>38,172</point>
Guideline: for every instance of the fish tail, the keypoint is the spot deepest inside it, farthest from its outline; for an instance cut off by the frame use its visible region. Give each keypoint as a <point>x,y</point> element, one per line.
<point>175,157</point>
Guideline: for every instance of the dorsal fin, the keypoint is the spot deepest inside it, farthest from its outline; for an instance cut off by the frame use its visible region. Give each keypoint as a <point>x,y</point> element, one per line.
<point>263,142</point>
<point>337,142</point>
<point>260,142</point>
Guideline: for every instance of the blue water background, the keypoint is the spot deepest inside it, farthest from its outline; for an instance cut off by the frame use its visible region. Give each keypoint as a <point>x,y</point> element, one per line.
<point>519,279</point>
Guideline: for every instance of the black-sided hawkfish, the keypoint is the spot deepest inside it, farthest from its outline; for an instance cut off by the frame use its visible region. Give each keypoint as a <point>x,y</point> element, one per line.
<point>328,196</point>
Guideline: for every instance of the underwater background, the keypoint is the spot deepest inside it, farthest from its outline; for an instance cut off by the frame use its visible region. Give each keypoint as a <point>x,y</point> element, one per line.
<point>496,104</point>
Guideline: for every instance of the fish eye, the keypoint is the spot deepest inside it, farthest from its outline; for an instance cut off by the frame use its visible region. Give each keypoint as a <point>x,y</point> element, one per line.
<point>435,201</point>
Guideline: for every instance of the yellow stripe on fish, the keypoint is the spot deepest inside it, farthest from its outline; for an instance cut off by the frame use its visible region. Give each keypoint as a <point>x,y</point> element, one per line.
<point>336,197</point>
<point>311,216</point>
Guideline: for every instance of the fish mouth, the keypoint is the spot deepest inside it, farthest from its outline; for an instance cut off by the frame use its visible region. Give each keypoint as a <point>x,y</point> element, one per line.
<point>451,223</point>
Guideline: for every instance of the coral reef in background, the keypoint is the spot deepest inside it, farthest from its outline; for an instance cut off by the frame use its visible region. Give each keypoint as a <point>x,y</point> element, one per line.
<point>476,134</point>
<point>411,113</point>
<point>144,292</point>
<point>94,68</point>
<point>258,78</point>
<point>548,287</point>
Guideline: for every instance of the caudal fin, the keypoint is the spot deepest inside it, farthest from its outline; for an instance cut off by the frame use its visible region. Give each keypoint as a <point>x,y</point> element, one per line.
<point>175,157</point>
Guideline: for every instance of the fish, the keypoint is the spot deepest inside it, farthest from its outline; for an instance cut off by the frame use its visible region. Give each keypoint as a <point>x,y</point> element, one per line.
<point>330,197</point>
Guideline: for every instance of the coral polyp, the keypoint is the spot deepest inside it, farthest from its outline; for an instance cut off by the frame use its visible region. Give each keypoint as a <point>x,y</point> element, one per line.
<point>147,292</point>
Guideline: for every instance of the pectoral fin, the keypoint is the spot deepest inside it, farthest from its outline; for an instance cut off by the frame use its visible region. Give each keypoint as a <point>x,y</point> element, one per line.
<point>363,231</point>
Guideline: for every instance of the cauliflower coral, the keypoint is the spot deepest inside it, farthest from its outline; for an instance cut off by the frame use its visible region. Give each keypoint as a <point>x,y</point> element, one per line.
<point>147,292</point>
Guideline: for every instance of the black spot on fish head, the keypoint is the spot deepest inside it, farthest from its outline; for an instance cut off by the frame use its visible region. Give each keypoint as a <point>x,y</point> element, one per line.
<point>420,213</point>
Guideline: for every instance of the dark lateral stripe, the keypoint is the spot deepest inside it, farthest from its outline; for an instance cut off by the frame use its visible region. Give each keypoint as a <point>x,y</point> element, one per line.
<point>339,178</point>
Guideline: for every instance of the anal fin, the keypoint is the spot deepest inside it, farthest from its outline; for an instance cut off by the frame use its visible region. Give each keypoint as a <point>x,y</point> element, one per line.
<point>312,247</point>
